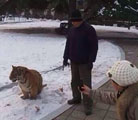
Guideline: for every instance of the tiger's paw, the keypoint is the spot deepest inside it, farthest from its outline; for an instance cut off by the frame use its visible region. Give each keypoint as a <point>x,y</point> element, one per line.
<point>32,98</point>
<point>24,97</point>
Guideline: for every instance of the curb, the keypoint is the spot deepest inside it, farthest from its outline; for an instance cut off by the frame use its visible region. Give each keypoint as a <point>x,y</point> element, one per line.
<point>122,53</point>
<point>57,112</point>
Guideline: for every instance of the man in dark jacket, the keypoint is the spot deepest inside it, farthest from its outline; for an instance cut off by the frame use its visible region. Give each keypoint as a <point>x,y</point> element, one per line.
<point>81,49</point>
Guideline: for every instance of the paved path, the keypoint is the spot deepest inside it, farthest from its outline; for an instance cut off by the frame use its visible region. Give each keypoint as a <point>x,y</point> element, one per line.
<point>108,34</point>
<point>103,111</point>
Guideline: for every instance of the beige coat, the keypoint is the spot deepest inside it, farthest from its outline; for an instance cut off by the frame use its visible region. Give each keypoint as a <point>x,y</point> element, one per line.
<point>126,104</point>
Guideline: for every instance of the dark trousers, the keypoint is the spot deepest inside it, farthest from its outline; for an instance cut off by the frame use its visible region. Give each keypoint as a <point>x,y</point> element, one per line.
<point>80,72</point>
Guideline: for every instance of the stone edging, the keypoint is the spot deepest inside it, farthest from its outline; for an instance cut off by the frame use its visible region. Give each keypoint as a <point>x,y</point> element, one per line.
<point>57,112</point>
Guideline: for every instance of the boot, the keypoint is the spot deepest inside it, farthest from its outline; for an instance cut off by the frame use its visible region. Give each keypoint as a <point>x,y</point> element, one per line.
<point>88,110</point>
<point>74,101</point>
<point>88,103</point>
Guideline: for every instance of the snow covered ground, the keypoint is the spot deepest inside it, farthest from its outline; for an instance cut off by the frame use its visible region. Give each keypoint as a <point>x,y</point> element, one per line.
<point>42,52</point>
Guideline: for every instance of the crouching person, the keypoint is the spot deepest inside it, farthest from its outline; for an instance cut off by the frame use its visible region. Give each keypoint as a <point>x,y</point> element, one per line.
<point>124,78</point>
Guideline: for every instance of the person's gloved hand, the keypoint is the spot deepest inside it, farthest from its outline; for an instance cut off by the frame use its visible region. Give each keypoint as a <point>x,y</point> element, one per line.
<point>65,63</point>
<point>90,65</point>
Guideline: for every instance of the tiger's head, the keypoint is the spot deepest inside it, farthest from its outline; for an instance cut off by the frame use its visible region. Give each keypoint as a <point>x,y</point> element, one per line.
<point>17,73</point>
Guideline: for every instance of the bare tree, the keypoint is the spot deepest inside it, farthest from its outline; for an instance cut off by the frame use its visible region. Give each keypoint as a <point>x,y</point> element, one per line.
<point>72,6</point>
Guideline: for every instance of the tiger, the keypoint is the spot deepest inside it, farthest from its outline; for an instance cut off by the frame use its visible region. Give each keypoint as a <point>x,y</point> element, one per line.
<point>29,80</point>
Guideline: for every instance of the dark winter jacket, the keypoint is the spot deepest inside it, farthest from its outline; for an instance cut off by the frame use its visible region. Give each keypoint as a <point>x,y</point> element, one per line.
<point>82,44</point>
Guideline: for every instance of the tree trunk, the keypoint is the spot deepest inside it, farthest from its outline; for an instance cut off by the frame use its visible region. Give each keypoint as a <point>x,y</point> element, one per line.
<point>72,7</point>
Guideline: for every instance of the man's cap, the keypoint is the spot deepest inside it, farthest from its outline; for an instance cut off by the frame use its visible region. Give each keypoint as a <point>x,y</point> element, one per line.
<point>76,16</point>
